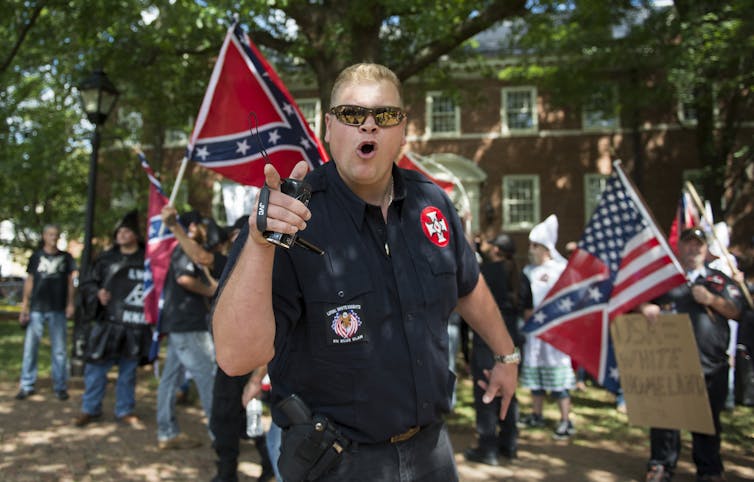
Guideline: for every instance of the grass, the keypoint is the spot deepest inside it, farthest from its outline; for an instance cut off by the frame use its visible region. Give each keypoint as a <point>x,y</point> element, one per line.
<point>593,410</point>
<point>597,421</point>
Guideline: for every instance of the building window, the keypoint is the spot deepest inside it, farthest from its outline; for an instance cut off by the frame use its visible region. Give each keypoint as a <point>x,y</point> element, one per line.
<point>520,202</point>
<point>594,184</point>
<point>601,110</point>
<point>519,110</point>
<point>443,115</point>
<point>687,111</point>
<point>311,109</point>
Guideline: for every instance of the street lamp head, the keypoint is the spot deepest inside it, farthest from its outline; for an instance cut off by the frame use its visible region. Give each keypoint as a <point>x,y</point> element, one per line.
<point>98,96</point>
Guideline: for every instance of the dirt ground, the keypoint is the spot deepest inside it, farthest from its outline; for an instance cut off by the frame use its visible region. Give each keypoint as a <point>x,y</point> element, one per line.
<point>38,442</point>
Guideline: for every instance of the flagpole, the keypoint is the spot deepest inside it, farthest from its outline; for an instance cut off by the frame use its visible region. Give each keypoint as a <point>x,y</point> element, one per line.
<point>176,187</point>
<point>641,204</point>
<point>700,206</point>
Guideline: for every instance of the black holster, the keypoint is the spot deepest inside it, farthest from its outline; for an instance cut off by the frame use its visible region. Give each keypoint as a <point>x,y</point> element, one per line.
<point>309,448</point>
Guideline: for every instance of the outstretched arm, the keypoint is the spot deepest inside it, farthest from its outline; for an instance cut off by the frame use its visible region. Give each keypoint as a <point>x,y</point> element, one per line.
<point>193,250</point>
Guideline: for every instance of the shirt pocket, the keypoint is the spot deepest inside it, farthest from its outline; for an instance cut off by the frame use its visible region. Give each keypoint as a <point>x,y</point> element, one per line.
<point>441,292</point>
<point>339,318</point>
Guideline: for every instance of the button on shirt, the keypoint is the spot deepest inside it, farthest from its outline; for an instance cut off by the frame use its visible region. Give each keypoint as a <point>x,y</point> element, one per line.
<point>361,331</point>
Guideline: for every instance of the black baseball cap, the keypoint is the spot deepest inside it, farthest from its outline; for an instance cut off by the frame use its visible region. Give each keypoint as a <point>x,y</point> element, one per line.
<point>694,233</point>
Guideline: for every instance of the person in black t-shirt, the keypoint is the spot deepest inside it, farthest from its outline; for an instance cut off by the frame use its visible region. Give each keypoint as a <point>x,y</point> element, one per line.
<point>710,298</point>
<point>187,293</point>
<point>47,298</point>
<point>512,292</point>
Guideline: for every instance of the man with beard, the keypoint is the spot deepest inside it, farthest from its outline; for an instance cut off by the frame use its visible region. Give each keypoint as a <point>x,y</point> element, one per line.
<point>120,336</point>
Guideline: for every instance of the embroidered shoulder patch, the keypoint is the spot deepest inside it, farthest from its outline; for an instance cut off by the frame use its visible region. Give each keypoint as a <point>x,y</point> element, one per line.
<point>435,226</point>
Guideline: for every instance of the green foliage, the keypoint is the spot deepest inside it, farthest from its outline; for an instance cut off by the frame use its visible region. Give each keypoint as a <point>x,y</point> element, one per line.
<point>160,54</point>
<point>695,52</point>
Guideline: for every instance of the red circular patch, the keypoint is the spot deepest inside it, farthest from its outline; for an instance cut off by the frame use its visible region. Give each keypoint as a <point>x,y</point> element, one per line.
<point>435,226</point>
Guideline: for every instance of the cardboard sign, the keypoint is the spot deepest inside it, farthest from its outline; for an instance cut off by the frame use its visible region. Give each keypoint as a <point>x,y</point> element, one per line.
<point>661,374</point>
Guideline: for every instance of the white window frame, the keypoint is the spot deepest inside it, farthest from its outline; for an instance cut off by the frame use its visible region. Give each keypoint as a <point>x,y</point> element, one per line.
<point>316,122</point>
<point>509,202</point>
<point>685,103</point>
<point>594,184</point>
<point>533,113</point>
<point>429,115</point>
<point>606,121</point>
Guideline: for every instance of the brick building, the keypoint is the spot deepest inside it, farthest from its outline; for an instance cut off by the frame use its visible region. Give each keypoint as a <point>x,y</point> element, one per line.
<point>537,158</point>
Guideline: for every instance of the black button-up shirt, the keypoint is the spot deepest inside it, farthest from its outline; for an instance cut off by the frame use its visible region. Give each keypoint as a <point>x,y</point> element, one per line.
<point>712,334</point>
<point>362,331</point>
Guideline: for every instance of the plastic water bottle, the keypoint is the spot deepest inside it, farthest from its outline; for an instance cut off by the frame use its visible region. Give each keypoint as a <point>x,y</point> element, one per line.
<point>254,426</point>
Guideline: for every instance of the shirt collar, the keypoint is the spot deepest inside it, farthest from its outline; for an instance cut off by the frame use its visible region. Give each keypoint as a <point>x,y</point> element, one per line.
<point>694,274</point>
<point>354,205</point>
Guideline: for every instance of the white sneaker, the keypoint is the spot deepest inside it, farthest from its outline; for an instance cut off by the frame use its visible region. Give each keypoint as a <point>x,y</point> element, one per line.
<point>564,431</point>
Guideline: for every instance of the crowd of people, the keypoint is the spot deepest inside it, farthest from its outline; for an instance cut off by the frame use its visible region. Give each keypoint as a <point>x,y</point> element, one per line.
<point>356,340</point>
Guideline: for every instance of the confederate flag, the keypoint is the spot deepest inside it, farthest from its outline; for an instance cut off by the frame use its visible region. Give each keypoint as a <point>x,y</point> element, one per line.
<point>157,256</point>
<point>622,260</point>
<point>246,111</point>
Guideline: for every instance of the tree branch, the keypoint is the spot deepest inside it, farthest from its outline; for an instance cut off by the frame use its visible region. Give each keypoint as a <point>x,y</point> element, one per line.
<point>21,37</point>
<point>496,11</point>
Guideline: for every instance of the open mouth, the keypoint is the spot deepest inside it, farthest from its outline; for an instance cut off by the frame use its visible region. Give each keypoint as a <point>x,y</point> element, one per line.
<point>367,147</point>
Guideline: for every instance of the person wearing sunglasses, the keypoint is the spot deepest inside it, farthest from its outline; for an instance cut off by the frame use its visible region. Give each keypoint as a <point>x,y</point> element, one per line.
<point>359,333</point>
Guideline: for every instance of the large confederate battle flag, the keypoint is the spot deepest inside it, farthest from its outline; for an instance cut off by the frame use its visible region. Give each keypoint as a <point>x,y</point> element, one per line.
<point>622,260</point>
<point>245,95</point>
<point>157,256</point>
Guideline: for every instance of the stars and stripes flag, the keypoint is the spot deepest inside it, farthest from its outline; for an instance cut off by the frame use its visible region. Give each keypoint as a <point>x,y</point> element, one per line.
<point>245,97</point>
<point>686,216</point>
<point>160,245</point>
<point>622,260</point>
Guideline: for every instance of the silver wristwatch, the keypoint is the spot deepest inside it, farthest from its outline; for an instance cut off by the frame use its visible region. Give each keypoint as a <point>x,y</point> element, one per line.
<point>514,357</point>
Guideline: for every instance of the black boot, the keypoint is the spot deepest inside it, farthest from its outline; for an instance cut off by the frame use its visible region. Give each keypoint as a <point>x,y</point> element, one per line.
<point>227,471</point>
<point>268,473</point>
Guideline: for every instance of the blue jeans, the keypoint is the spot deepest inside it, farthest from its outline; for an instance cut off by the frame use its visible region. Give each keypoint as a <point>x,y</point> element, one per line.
<point>57,327</point>
<point>95,382</point>
<point>193,350</point>
<point>274,435</point>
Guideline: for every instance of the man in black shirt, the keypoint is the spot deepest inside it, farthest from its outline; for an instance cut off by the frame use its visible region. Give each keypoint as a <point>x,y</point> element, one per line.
<point>187,294</point>
<point>512,292</point>
<point>360,333</point>
<point>710,298</point>
<point>121,335</point>
<point>47,298</point>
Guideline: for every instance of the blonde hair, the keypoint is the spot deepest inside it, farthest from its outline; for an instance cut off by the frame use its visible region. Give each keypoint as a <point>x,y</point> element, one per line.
<point>365,72</point>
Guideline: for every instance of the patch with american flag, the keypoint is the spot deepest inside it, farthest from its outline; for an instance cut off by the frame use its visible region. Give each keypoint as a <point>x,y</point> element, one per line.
<point>622,260</point>
<point>345,324</point>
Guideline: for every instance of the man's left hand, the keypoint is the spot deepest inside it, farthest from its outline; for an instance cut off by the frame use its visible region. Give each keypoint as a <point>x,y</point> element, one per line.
<point>502,381</point>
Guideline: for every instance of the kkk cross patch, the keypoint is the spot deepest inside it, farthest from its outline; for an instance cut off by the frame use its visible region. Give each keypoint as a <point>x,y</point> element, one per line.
<point>435,226</point>
<point>346,325</point>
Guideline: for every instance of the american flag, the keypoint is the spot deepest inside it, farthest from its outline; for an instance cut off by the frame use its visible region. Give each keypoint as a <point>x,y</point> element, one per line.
<point>225,134</point>
<point>622,260</point>
<point>157,257</point>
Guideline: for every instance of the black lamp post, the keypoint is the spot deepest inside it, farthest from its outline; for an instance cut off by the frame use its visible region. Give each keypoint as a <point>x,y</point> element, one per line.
<point>98,96</point>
